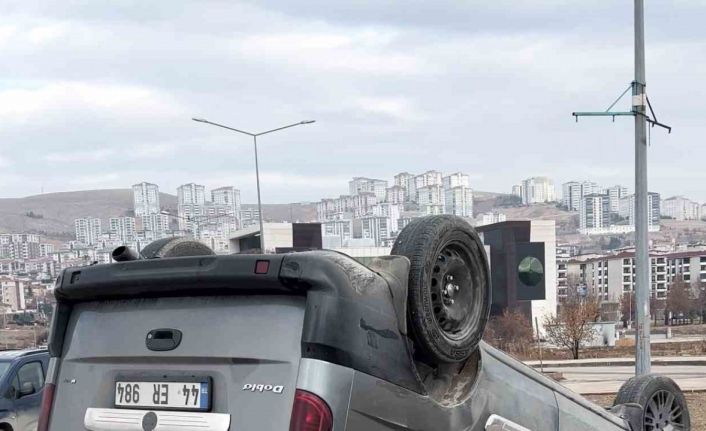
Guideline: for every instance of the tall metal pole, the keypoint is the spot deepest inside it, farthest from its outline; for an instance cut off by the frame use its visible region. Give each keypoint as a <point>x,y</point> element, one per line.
<point>257,167</point>
<point>259,201</point>
<point>642,259</point>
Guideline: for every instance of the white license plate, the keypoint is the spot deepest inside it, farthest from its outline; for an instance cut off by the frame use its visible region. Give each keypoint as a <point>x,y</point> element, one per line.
<point>163,395</point>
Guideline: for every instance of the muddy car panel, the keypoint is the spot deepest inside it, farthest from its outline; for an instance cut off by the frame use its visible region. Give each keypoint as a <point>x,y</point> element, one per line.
<point>317,321</point>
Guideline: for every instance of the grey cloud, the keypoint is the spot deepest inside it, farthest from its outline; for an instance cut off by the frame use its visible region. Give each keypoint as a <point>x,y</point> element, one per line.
<point>483,87</point>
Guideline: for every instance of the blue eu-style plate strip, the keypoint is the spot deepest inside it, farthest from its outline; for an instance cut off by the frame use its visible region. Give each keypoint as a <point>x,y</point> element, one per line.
<point>204,396</point>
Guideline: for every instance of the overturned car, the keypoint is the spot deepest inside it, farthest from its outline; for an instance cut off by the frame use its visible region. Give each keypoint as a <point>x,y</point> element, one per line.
<point>177,338</point>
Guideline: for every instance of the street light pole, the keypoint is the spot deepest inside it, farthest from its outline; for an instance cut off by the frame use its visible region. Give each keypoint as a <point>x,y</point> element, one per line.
<point>259,200</point>
<point>640,103</point>
<point>257,166</point>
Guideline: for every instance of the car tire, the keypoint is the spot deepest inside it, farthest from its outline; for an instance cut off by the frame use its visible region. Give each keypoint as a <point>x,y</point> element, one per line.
<point>448,298</point>
<point>661,399</point>
<point>175,247</point>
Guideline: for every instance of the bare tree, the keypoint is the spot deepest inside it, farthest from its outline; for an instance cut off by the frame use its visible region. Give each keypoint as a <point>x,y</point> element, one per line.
<point>511,331</point>
<point>573,286</point>
<point>627,306</point>
<point>701,302</point>
<point>572,326</point>
<point>680,298</point>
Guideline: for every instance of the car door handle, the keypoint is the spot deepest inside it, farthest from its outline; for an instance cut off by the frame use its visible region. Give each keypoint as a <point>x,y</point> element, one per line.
<point>499,423</point>
<point>164,339</point>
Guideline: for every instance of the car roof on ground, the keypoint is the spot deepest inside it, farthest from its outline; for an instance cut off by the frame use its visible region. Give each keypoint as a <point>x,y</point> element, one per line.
<point>14,354</point>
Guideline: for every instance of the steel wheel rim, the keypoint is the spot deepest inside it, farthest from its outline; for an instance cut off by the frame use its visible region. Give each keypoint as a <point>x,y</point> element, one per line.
<point>663,412</point>
<point>454,291</point>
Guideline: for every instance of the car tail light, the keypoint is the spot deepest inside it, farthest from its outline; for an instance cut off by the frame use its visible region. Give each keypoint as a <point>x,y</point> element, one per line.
<point>45,409</point>
<point>310,413</point>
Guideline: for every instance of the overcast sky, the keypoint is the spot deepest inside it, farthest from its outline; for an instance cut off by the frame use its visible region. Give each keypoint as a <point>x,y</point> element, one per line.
<point>99,94</point>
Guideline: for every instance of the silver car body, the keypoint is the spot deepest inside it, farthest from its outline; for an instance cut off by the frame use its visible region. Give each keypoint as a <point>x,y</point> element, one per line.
<point>251,347</point>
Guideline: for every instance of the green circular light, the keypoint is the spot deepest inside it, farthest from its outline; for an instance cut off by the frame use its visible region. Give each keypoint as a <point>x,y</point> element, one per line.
<point>531,271</point>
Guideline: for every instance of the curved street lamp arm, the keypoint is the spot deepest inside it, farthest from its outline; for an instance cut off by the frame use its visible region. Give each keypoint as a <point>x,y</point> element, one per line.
<point>284,127</point>
<point>200,120</point>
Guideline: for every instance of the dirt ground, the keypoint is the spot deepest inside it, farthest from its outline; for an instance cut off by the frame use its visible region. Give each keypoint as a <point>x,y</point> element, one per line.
<point>683,348</point>
<point>696,401</point>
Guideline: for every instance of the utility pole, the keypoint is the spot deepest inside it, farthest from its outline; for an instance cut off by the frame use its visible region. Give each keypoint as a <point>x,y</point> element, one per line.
<point>639,105</point>
<point>642,258</point>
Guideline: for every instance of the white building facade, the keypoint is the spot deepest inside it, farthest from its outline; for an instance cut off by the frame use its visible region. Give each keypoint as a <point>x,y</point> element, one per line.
<point>458,201</point>
<point>594,212</point>
<point>145,199</point>
<point>538,190</point>
<point>123,228</point>
<point>88,230</point>
<point>681,208</point>
<point>191,200</point>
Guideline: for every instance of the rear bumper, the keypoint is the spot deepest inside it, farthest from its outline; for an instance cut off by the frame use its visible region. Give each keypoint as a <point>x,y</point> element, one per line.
<point>139,420</point>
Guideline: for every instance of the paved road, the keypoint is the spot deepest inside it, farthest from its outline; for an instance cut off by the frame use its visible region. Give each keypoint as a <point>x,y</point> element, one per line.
<point>604,380</point>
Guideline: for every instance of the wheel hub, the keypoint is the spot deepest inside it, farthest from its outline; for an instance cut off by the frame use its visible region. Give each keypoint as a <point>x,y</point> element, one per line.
<point>663,412</point>
<point>451,292</point>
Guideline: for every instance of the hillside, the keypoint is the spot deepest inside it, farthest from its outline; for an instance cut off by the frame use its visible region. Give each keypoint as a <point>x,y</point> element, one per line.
<point>566,222</point>
<point>52,214</point>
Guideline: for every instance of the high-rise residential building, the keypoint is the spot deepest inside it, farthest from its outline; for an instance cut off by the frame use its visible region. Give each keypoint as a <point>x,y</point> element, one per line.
<point>455,180</point>
<point>627,209</point>
<point>156,224</point>
<point>490,218</point>
<point>224,208</point>
<point>12,293</point>
<point>391,211</point>
<point>377,228</point>
<point>571,195</point>
<point>88,230</point>
<point>325,209</point>
<point>406,181</point>
<point>594,212</point>
<point>615,193</point>
<point>431,199</point>
<point>538,190</point>
<point>249,216</point>
<point>227,197</point>
<point>517,190</point>
<point>123,228</point>
<point>363,204</point>
<point>341,229</point>
<point>191,201</point>
<point>145,199</point>
<point>574,191</point>
<point>458,201</point>
<point>590,188</point>
<point>45,249</point>
<point>681,208</point>
<point>368,185</point>
<point>396,194</point>
<point>19,246</point>
<point>428,178</point>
